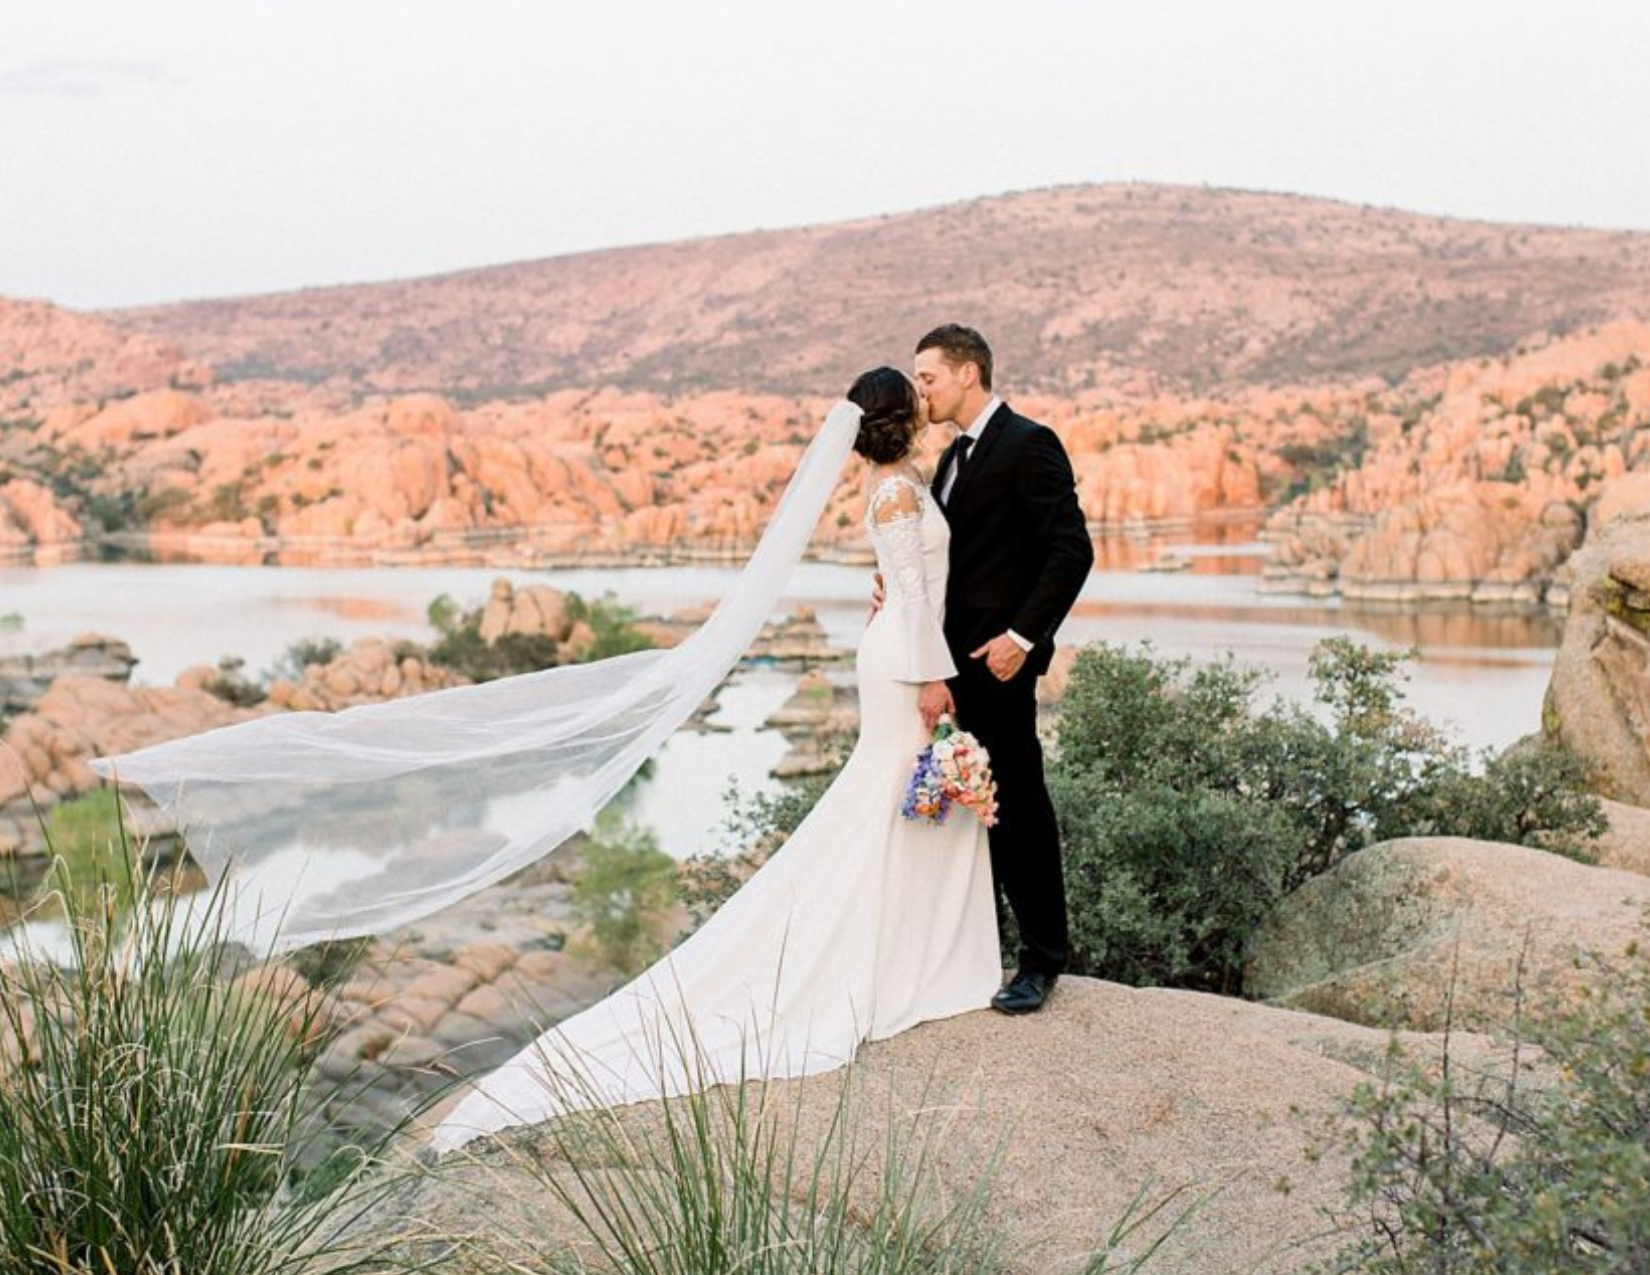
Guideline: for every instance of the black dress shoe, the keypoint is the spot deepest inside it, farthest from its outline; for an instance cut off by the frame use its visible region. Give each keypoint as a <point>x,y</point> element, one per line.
<point>1026,992</point>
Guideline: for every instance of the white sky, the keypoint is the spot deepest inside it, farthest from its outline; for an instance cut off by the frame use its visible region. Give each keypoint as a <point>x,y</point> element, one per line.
<point>160,149</point>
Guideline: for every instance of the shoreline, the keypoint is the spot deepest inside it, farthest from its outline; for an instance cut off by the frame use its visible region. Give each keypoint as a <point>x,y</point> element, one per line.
<point>509,547</point>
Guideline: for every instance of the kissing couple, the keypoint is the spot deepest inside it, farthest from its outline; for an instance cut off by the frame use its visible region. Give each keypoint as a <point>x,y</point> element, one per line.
<point>861,925</point>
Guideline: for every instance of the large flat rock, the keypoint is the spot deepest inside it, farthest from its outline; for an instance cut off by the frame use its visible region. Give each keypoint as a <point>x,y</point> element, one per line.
<point>1107,1090</point>
<point>1399,933</point>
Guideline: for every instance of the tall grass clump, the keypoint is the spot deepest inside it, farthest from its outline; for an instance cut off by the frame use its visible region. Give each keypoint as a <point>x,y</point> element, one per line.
<point>749,1177</point>
<point>804,1177</point>
<point>151,1082</point>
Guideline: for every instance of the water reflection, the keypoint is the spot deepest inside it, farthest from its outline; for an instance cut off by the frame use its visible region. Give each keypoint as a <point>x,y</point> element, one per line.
<point>1429,627</point>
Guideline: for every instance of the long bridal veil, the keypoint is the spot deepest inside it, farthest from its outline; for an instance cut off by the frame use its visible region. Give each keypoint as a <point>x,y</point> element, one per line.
<point>332,825</point>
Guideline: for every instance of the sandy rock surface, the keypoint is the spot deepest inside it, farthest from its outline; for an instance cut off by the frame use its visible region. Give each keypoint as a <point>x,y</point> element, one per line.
<point>1598,702</point>
<point>1107,1089</point>
<point>1389,935</point>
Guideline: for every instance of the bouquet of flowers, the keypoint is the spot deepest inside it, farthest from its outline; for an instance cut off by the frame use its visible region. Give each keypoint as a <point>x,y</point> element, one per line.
<point>953,768</point>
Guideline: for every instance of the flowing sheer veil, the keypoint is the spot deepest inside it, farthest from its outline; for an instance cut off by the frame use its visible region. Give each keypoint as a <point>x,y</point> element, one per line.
<point>331,825</point>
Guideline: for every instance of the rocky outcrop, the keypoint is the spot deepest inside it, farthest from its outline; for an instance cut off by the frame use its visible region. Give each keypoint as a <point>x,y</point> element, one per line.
<point>30,517</point>
<point>25,678</point>
<point>369,671</point>
<point>1480,479</point>
<point>1625,843</point>
<point>460,991</point>
<point>819,721</point>
<point>536,609</point>
<point>1407,932</point>
<point>1598,702</point>
<point>1108,1091</point>
<point>44,753</point>
<point>1454,489</point>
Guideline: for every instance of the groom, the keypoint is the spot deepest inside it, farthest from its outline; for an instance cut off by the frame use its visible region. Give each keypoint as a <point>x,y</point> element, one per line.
<point>1020,553</point>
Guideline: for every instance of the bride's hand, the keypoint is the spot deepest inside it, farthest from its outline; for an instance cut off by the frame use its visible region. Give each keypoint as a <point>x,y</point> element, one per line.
<point>934,702</point>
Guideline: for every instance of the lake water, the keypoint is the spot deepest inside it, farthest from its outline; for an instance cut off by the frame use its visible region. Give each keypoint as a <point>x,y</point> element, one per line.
<point>1480,673</point>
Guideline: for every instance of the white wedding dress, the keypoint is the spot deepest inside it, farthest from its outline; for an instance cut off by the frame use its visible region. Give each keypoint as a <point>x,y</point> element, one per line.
<point>861,925</point>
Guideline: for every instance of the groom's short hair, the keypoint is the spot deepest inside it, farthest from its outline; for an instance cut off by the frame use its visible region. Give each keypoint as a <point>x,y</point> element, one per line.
<point>960,345</point>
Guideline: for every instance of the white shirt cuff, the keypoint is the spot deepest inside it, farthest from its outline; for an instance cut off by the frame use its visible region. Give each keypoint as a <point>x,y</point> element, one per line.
<point>1021,642</point>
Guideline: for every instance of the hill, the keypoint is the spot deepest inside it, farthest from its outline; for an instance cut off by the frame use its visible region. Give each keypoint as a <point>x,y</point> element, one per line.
<point>1120,287</point>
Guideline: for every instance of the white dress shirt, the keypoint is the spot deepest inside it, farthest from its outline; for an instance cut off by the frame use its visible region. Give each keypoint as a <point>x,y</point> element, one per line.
<point>973,432</point>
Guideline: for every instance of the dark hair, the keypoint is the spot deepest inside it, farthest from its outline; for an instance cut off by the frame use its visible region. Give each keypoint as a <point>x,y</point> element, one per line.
<point>889,426</point>
<point>960,345</point>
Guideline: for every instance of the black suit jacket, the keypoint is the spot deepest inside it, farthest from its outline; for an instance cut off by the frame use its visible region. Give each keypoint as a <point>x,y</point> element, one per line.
<point>1020,548</point>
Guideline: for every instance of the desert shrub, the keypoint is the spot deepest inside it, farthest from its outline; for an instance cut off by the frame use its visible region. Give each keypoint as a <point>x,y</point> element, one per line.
<point>301,654</point>
<point>465,651</point>
<point>231,684</point>
<point>462,649</point>
<point>443,613</point>
<point>1527,1170</point>
<point>113,511</point>
<point>170,503</point>
<point>1189,810</point>
<point>625,892</point>
<point>613,624</point>
<point>1319,464</point>
<point>753,827</point>
<point>151,1094</point>
<point>1533,794</point>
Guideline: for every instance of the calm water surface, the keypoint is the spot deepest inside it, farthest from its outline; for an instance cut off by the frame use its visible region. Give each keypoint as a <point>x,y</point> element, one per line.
<point>1482,674</point>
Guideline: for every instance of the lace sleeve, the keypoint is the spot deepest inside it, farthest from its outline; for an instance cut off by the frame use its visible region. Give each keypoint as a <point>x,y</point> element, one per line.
<point>896,520</point>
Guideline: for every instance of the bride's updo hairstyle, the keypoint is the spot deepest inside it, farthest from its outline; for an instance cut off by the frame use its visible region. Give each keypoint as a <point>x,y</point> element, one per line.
<point>889,426</point>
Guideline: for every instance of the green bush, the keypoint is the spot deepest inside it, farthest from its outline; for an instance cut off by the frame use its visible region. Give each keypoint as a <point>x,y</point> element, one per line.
<point>1188,810</point>
<point>1534,794</point>
<point>752,829</point>
<point>301,654</point>
<point>149,1099</point>
<point>112,511</point>
<point>462,649</point>
<point>465,651</point>
<point>626,893</point>
<point>613,624</point>
<point>1528,1170</point>
<point>231,684</point>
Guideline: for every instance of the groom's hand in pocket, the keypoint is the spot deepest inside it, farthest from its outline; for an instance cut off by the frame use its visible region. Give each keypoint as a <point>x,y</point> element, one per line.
<point>1003,656</point>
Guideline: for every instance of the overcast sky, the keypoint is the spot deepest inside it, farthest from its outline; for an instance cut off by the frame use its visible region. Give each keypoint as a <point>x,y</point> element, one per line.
<point>159,149</point>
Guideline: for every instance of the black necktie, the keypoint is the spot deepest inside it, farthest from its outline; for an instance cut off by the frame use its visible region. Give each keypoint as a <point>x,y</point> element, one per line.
<point>963,444</point>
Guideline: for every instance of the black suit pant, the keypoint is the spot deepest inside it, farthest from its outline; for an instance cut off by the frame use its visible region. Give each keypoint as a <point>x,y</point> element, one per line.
<point>1025,844</point>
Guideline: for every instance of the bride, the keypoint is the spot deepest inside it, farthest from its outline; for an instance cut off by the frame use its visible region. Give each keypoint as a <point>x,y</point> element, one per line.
<point>861,925</point>
<point>328,825</point>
